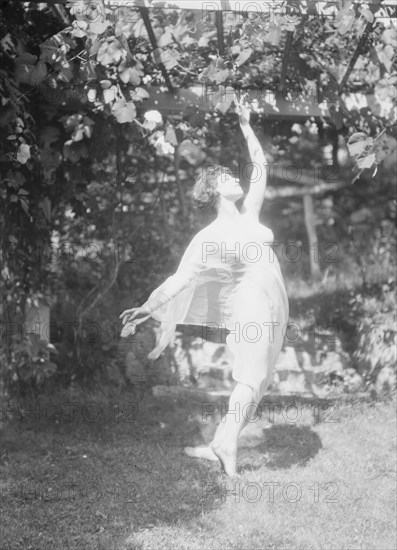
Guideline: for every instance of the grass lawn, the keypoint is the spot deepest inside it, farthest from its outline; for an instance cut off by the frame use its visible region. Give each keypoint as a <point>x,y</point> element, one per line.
<point>113,476</point>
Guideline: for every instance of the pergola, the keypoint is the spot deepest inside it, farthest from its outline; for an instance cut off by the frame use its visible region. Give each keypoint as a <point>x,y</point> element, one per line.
<point>274,103</point>
<point>271,102</point>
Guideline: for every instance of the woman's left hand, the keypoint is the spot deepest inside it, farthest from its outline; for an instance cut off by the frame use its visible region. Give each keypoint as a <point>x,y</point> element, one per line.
<point>243,110</point>
<point>131,318</point>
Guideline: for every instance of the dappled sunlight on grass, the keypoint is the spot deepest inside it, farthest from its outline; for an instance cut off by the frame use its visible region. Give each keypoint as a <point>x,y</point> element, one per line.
<point>342,498</point>
<point>123,481</point>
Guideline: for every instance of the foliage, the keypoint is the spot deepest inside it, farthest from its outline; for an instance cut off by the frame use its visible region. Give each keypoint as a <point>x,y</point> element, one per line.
<point>29,367</point>
<point>81,165</point>
<point>377,331</point>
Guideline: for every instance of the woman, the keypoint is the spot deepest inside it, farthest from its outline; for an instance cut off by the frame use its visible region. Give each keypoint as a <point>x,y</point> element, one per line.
<point>229,278</point>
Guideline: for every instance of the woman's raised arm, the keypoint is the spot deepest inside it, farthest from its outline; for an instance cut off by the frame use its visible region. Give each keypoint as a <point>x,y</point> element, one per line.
<point>254,199</point>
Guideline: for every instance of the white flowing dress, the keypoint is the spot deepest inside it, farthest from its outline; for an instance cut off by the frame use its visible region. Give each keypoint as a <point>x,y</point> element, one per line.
<point>229,278</point>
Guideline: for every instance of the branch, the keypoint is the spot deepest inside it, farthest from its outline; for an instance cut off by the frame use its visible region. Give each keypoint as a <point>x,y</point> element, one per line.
<point>297,191</point>
<point>82,312</point>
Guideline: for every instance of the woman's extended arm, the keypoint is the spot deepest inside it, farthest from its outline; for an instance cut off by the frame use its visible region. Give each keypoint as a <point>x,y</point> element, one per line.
<point>189,268</point>
<point>254,199</point>
<point>172,286</point>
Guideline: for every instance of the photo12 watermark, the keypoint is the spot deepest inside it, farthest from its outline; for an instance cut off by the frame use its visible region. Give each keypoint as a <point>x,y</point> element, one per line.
<point>271,412</point>
<point>70,412</point>
<point>272,492</point>
<point>73,491</point>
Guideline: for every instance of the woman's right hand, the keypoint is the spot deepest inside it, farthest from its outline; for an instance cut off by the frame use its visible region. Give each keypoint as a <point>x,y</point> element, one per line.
<point>131,318</point>
<point>242,109</point>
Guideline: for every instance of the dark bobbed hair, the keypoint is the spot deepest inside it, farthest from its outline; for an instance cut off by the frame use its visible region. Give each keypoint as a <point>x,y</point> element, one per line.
<point>205,194</point>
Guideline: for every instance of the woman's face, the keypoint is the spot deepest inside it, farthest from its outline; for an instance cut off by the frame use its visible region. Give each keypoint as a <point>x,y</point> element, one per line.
<point>229,187</point>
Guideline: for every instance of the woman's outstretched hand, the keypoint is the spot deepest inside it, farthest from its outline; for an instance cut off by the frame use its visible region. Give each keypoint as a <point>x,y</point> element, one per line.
<point>131,318</point>
<point>242,109</point>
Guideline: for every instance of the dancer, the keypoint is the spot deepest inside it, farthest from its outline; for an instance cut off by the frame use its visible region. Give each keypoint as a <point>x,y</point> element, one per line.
<point>228,278</point>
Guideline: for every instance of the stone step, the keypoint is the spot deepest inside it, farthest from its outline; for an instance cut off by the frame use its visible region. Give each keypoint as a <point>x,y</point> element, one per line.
<point>208,366</point>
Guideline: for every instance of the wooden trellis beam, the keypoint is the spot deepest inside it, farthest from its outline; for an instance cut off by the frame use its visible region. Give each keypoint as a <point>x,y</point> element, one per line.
<point>148,25</point>
<point>280,191</point>
<point>355,56</point>
<point>197,98</point>
<point>203,99</point>
<point>61,13</point>
<point>219,32</point>
<point>286,54</point>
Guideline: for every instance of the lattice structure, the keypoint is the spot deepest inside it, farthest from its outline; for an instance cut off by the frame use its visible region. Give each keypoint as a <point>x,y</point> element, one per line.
<point>294,11</point>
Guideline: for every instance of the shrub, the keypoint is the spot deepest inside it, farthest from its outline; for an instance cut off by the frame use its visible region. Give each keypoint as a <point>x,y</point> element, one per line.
<point>377,332</point>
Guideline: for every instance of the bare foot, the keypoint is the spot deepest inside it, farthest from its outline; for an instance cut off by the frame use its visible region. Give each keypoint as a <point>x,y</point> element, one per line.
<point>227,458</point>
<point>202,451</point>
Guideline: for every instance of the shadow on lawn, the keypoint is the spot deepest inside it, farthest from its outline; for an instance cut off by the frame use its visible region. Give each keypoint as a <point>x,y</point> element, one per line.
<point>283,446</point>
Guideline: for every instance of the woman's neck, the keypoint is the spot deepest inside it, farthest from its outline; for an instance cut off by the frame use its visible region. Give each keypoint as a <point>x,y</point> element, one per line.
<point>227,210</point>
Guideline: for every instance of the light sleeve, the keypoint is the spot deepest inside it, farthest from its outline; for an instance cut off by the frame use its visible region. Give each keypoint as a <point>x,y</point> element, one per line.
<point>187,273</point>
<point>170,302</point>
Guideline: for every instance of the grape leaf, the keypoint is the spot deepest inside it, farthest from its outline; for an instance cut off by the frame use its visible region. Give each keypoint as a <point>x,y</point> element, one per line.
<point>169,58</point>
<point>367,14</point>
<point>23,153</point>
<point>105,84</point>
<point>130,74</point>
<point>124,111</point>
<point>165,39</point>
<point>152,119</point>
<point>98,27</point>
<point>273,35</point>
<point>389,37</point>
<point>357,148</point>
<point>244,56</point>
<point>66,72</point>
<point>346,23</point>
<point>139,94</point>
<point>203,41</point>
<point>366,162</point>
<point>79,29</point>
<point>358,136</point>
<point>223,98</point>
<point>219,76</point>
<point>385,55</point>
<point>53,49</point>
<point>163,148</point>
<point>29,70</point>
<point>109,52</point>
<point>109,95</point>
<point>236,49</point>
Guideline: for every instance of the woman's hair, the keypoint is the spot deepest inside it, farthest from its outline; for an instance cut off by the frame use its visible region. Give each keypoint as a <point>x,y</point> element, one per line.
<point>205,194</point>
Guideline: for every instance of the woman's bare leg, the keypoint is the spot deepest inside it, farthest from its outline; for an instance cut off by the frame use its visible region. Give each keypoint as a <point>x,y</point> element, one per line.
<point>224,444</point>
